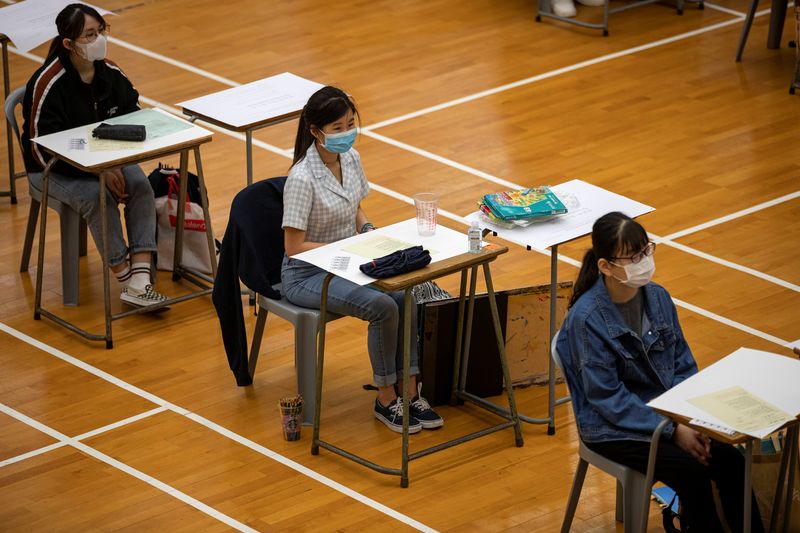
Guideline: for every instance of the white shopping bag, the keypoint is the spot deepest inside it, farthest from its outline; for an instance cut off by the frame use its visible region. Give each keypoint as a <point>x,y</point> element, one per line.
<point>195,243</point>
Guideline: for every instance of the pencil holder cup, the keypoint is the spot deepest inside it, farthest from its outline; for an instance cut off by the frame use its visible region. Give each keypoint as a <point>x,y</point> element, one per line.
<point>291,410</point>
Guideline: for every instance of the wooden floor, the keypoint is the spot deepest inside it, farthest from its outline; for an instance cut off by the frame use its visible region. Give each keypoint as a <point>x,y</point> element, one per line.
<point>461,98</point>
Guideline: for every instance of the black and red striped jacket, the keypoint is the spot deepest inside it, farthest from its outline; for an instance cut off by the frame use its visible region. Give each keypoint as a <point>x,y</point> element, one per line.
<point>57,99</point>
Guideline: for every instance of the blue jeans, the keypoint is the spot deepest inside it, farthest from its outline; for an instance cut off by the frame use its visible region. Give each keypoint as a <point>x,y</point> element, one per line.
<point>302,285</point>
<point>82,194</point>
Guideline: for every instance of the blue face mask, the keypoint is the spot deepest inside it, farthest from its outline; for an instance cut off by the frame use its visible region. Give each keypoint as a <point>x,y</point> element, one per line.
<point>340,143</point>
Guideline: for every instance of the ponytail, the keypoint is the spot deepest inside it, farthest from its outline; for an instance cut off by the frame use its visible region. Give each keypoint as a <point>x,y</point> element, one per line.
<point>303,140</point>
<point>586,277</point>
<point>55,46</point>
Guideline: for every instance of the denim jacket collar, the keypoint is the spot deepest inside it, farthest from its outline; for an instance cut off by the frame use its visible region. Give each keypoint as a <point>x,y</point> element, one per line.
<point>653,321</point>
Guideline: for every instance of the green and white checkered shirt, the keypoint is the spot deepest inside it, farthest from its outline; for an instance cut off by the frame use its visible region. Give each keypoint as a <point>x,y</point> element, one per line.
<point>315,202</point>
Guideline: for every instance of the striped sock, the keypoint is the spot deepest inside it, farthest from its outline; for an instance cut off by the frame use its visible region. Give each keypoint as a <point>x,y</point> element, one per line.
<point>140,276</point>
<point>124,275</point>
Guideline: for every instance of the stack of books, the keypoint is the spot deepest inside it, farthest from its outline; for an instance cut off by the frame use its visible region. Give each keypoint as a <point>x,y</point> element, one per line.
<point>521,207</point>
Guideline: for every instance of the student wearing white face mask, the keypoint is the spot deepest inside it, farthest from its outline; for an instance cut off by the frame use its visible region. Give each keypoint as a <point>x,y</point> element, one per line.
<point>620,346</point>
<point>322,204</point>
<point>77,85</point>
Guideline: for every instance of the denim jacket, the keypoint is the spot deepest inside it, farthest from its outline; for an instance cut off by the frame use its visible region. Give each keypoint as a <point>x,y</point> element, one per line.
<point>612,373</point>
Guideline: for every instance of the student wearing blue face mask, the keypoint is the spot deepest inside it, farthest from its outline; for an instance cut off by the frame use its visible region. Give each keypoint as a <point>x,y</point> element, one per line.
<point>621,345</point>
<point>322,204</point>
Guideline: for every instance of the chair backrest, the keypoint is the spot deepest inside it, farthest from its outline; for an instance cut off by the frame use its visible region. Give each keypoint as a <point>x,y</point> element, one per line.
<point>14,99</point>
<point>554,353</point>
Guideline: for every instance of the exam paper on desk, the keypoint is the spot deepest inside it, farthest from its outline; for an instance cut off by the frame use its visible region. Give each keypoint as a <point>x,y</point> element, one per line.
<point>741,410</point>
<point>770,377</point>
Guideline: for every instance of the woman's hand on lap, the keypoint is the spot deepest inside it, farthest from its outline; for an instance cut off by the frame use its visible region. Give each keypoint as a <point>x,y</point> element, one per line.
<point>693,442</point>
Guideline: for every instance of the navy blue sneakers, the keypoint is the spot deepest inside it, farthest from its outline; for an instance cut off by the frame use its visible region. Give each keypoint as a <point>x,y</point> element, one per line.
<point>422,411</point>
<point>392,416</point>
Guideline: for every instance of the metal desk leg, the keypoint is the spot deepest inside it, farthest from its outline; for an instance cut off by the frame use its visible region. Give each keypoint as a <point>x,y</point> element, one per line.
<point>12,175</point>
<point>777,16</point>
<point>323,319</point>
<point>501,347</point>
<point>212,252</point>
<point>459,331</point>
<point>106,267</point>
<point>181,212</point>
<point>248,135</point>
<point>748,486</point>
<point>463,367</point>
<point>42,232</point>
<point>407,303</point>
<point>551,371</point>
<point>791,434</point>
<point>787,519</point>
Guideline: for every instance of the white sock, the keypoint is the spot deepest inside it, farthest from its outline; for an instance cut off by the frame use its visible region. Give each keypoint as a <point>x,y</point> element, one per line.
<point>140,276</point>
<point>124,275</point>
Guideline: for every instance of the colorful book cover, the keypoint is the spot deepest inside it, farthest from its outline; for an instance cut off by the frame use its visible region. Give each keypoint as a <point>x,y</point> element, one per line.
<point>524,203</point>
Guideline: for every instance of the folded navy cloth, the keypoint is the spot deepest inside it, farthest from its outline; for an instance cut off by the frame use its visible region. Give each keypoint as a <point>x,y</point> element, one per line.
<point>120,132</point>
<point>397,263</point>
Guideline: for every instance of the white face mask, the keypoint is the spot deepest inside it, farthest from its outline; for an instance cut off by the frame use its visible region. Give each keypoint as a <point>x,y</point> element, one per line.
<point>95,50</point>
<point>638,274</point>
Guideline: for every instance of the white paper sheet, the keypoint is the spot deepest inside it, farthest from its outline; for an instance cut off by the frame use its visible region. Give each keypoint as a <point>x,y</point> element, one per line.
<point>257,101</point>
<point>446,243</point>
<point>769,376</point>
<point>586,203</point>
<point>33,22</point>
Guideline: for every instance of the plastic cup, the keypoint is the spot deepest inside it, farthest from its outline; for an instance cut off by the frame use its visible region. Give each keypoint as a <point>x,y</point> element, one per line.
<point>427,207</point>
<point>291,422</point>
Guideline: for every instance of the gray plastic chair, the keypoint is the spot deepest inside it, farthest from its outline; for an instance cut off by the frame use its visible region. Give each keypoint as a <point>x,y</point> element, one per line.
<point>633,488</point>
<point>306,327</point>
<point>73,227</point>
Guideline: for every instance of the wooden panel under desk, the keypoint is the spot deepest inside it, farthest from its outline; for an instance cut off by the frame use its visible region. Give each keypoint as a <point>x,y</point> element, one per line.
<point>440,268</point>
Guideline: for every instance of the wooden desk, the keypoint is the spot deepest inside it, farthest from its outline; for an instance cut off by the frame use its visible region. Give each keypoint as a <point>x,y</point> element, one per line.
<point>253,106</point>
<point>57,144</point>
<point>768,376</point>
<point>462,262</point>
<point>586,203</point>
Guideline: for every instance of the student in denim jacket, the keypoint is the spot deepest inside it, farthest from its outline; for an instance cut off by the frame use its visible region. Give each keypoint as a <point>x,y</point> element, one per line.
<point>621,345</point>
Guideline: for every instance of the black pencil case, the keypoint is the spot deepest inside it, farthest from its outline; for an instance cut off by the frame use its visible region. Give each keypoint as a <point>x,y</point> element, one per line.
<point>120,132</point>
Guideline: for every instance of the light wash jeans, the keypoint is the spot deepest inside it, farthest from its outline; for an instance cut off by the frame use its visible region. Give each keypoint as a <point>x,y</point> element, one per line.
<point>82,195</point>
<point>302,285</point>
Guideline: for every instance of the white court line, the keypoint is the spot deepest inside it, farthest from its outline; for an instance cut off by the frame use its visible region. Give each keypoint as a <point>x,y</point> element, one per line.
<point>160,485</point>
<point>443,160</point>
<point>554,73</point>
<point>217,429</point>
<point>732,323</point>
<point>173,62</point>
<point>32,453</point>
<point>733,216</point>
<point>83,436</point>
<point>724,9</point>
<point>730,264</point>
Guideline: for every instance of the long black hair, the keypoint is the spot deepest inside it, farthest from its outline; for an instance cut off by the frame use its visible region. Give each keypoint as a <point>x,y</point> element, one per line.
<point>613,235</point>
<point>327,105</point>
<point>70,22</point>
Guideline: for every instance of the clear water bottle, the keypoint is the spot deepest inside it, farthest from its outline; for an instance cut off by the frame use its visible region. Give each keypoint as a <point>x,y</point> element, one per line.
<point>474,237</point>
